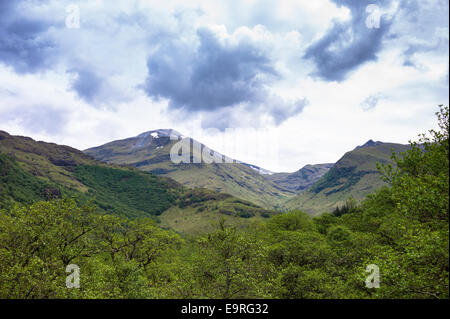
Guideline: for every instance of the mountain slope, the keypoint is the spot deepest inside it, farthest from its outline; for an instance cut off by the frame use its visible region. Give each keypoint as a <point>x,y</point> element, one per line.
<point>47,161</point>
<point>19,185</point>
<point>354,175</point>
<point>52,170</point>
<point>301,179</point>
<point>200,209</point>
<point>31,171</point>
<point>150,152</point>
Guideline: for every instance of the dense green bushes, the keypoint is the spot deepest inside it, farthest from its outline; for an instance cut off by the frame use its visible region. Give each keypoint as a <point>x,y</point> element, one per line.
<point>18,185</point>
<point>118,258</point>
<point>133,194</point>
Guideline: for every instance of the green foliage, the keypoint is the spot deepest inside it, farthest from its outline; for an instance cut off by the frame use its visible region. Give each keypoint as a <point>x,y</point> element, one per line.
<point>200,195</point>
<point>130,193</point>
<point>296,220</point>
<point>417,230</point>
<point>339,234</point>
<point>350,206</point>
<point>299,283</point>
<point>230,264</point>
<point>116,257</point>
<point>422,176</point>
<point>18,185</point>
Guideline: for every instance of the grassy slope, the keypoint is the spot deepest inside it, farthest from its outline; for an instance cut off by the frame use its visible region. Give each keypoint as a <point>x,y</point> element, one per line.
<point>28,169</point>
<point>193,222</point>
<point>354,175</point>
<point>47,161</point>
<point>200,210</point>
<point>235,179</point>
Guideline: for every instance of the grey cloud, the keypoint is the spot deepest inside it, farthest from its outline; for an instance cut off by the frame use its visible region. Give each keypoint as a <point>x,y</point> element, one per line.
<point>86,83</point>
<point>31,42</point>
<point>348,45</point>
<point>23,42</point>
<point>371,102</point>
<point>432,36</point>
<point>426,13</point>
<point>250,115</point>
<point>282,109</point>
<point>94,86</point>
<point>209,75</point>
<point>412,8</point>
<point>438,44</point>
<point>220,119</point>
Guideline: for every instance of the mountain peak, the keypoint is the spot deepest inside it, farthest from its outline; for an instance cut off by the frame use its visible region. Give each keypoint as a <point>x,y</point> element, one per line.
<point>369,143</point>
<point>148,138</point>
<point>161,133</point>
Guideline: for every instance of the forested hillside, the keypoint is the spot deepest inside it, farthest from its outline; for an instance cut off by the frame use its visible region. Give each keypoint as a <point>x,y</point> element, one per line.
<point>401,228</point>
<point>32,171</point>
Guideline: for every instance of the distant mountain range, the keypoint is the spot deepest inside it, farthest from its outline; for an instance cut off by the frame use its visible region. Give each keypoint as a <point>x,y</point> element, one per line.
<point>314,188</point>
<point>115,172</point>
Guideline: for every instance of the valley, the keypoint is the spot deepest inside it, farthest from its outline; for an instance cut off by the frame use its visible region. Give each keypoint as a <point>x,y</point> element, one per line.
<point>314,188</point>
<point>136,234</point>
<point>32,171</point>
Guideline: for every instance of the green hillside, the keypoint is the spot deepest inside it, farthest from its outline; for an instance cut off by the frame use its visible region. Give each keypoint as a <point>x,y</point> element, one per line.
<point>38,170</point>
<point>354,176</point>
<point>31,171</point>
<point>150,152</point>
<point>47,161</point>
<point>17,185</point>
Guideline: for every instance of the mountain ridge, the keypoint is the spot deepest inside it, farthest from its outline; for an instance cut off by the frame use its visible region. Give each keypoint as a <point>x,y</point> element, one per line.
<point>354,175</point>
<point>153,154</point>
<point>313,188</point>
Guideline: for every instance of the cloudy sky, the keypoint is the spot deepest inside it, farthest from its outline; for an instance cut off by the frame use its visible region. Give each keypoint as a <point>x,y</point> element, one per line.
<point>278,83</point>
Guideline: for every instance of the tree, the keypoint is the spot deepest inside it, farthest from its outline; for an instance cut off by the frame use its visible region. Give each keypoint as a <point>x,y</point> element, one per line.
<point>231,264</point>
